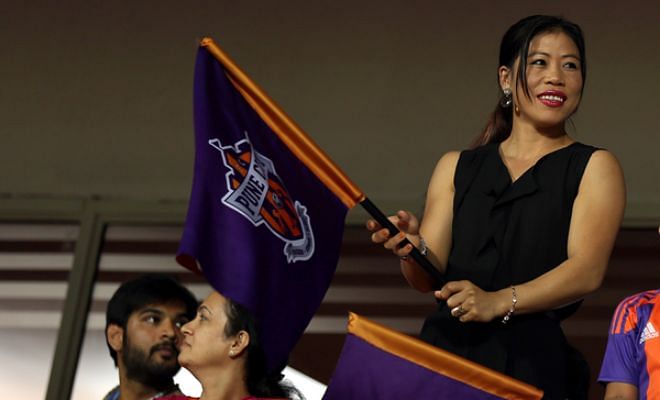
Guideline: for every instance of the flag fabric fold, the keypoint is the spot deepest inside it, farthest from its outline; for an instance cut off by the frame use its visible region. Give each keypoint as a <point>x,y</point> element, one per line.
<point>379,363</point>
<point>267,207</point>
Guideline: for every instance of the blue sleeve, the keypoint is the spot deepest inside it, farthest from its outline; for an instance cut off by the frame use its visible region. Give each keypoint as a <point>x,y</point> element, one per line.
<point>620,361</point>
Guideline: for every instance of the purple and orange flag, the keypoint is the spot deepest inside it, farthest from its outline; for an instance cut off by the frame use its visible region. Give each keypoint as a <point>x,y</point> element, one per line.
<point>379,363</point>
<point>267,208</point>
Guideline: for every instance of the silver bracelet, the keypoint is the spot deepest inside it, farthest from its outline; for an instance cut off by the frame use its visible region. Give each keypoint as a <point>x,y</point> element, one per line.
<point>514,300</point>
<point>422,246</point>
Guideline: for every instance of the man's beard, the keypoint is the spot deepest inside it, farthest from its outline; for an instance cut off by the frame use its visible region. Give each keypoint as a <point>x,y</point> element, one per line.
<point>141,367</point>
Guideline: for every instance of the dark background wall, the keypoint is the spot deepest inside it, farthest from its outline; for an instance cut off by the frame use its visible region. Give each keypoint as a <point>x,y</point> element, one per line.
<point>96,96</point>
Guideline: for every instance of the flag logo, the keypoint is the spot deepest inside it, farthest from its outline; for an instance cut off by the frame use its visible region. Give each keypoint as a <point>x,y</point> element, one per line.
<point>256,191</point>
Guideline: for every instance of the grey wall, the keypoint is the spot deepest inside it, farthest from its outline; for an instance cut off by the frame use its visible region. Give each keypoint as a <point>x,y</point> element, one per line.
<point>95,96</point>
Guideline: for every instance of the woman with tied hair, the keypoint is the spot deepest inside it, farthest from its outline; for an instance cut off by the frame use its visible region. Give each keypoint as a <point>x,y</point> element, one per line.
<point>221,349</point>
<point>521,225</point>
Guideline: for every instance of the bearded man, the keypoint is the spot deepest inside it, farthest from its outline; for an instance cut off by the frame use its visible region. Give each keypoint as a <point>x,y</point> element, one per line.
<point>143,333</point>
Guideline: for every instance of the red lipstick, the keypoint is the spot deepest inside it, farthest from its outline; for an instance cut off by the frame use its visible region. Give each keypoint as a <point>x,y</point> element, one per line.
<point>552,98</point>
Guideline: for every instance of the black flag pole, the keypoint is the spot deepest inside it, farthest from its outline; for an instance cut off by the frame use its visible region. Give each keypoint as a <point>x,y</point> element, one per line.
<point>416,255</point>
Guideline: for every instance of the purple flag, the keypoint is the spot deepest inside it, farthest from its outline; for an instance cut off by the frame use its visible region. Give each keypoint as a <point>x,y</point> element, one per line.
<point>261,226</point>
<point>379,363</point>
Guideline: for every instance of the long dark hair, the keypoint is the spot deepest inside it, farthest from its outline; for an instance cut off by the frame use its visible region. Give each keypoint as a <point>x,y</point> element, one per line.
<point>515,45</point>
<point>259,381</point>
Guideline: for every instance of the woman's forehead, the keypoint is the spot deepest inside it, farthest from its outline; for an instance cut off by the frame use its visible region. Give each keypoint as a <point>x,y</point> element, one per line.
<point>215,302</point>
<point>553,41</point>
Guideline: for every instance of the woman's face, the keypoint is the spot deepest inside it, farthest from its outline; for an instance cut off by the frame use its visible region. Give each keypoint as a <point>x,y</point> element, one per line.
<point>204,343</point>
<point>554,79</point>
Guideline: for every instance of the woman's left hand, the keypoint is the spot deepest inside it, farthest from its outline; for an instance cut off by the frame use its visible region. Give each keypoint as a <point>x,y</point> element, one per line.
<point>468,302</point>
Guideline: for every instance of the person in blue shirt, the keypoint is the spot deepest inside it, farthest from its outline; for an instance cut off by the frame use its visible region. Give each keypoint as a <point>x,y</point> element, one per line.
<point>631,365</point>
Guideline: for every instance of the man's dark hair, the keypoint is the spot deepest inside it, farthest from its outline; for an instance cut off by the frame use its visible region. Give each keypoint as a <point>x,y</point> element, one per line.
<point>138,293</point>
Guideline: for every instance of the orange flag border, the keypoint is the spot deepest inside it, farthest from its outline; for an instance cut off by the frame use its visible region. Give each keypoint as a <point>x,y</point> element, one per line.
<point>440,361</point>
<point>288,131</point>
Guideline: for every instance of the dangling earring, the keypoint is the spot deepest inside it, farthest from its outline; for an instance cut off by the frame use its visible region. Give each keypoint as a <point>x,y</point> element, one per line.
<point>507,99</point>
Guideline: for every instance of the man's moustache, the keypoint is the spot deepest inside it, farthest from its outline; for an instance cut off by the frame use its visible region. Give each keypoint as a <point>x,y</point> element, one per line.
<point>165,346</point>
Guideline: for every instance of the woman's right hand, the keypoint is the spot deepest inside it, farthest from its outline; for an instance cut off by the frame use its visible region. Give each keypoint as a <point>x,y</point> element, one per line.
<point>408,226</point>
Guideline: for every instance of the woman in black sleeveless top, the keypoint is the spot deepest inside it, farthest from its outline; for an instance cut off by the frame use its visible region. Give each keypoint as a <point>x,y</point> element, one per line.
<point>523,224</point>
